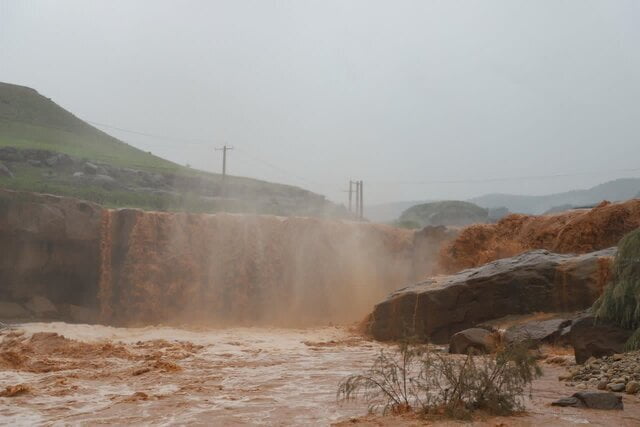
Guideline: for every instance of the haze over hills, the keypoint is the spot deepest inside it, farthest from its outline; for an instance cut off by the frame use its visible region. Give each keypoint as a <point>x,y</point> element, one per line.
<point>616,190</point>
<point>45,148</point>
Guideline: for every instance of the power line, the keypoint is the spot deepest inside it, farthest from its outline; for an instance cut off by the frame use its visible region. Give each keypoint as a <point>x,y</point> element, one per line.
<point>193,141</point>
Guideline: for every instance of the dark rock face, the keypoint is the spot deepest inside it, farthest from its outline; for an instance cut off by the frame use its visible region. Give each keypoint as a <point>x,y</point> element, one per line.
<point>537,332</point>
<point>598,339</point>
<point>475,340</point>
<point>592,400</point>
<point>50,247</point>
<point>539,280</point>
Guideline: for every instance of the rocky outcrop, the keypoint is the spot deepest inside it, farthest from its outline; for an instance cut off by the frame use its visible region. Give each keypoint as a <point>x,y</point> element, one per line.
<point>535,281</point>
<point>50,247</point>
<point>577,231</point>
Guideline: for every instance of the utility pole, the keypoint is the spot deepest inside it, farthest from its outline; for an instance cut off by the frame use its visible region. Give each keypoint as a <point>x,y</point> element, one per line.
<point>361,199</point>
<point>350,195</point>
<point>357,199</point>
<point>224,150</point>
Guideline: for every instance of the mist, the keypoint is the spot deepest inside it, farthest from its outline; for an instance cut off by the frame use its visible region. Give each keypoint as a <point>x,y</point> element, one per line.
<point>407,96</point>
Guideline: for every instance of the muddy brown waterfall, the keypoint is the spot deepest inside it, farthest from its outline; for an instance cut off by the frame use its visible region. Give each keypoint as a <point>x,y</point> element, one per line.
<point>135,267</point>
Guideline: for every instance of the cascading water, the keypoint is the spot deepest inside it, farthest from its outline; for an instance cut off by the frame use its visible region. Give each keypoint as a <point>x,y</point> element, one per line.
<point>246,269</point>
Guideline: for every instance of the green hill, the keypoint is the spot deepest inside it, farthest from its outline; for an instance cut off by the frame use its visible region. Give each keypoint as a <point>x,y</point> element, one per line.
<point>450,212</point>
<point>47,149</point>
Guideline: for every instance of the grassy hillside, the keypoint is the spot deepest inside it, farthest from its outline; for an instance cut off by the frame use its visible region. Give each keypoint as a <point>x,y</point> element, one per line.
<point>29,120</point>
<point>48,149</point>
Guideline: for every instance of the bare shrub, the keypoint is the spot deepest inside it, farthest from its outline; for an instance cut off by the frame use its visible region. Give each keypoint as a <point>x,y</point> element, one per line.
<point>415,378</point>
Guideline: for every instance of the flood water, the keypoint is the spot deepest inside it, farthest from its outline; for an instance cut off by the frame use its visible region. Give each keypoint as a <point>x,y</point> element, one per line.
<point>224,377</point>
<point>92,375</point>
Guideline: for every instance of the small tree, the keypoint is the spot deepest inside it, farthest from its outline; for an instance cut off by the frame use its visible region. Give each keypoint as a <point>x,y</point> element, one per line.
<point>435,384</point>
<point>620,302</point>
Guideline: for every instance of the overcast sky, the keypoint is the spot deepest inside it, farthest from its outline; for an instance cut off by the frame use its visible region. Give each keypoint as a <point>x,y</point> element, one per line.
<point>400,94</point>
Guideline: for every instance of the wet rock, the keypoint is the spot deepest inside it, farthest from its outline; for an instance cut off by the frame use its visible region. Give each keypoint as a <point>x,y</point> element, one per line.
<point>34,163</point>
<point>41,307</point>
<point>596,339</point>
<point>592,400</point>
<point>4,171</point>
<point>632,387</point>
<point>476,340</point>
<point>12,310</point>
<point>534,281</point>
<point>615,386</point>
<point>537,332</point>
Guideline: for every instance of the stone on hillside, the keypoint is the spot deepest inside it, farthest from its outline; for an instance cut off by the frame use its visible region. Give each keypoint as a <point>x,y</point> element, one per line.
<point>596,339</point>
<point>473,340</point>
<point>105,181</point>
<point>90,168</point>
<point>592,400</point>
<point>534,281</point>
<point>41,307</point>
<point>12,310</point>
<point>4,171</point>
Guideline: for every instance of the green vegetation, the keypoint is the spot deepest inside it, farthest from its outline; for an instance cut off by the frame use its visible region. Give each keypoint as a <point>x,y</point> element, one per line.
<point>38,129</point>
<point>620,302</point>
<point>451,212</point>
<point>434,384</point>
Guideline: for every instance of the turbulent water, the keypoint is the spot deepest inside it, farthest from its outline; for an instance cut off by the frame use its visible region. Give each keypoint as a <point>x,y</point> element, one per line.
<point>247,270</point>
<point>158,375</point>
<point>93,375</point>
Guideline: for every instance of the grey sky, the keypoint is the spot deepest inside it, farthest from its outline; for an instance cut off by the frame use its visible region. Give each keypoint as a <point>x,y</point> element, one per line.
<point>397,93</point>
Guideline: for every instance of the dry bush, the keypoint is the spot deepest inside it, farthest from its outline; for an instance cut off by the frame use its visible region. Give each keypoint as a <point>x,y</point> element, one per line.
<point>414,378</point>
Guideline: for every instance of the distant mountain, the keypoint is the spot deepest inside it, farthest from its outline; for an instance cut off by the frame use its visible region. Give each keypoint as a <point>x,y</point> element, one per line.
<point>448,212</point>
<point>617,190</point>
<point>45,148</point>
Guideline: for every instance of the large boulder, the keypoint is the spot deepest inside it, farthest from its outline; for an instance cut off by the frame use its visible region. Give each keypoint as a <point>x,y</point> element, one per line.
<point>596,338</point>
<point>535,281</point>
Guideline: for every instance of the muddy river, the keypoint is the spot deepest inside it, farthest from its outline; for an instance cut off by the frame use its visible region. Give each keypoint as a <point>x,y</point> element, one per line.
<point>80,374</point>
